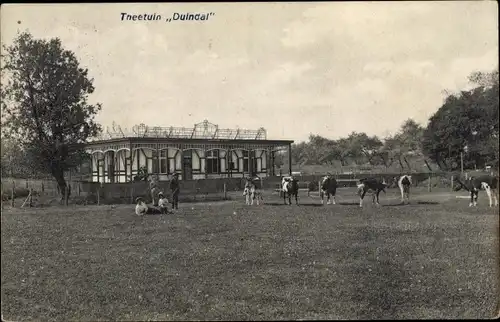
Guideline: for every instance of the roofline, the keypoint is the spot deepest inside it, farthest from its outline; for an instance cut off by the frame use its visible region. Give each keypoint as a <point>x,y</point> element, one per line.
<point>185,140</point>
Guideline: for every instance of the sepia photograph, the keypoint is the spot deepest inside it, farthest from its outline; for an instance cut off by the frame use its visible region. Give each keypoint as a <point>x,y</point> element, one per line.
<point>250,161</point>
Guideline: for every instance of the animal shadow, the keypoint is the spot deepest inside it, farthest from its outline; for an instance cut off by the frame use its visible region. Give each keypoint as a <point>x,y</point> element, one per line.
<point>293,204</point>
<point>411,203</point>
<point>348,203</point>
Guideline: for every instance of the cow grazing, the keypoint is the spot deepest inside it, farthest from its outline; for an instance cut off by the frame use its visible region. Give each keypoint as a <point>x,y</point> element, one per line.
<point>251,193</point>
<point>328,187</point>
<point>404,184</point>
<point>373,185</point>
<point>290,187</point>
<point>473,185</point>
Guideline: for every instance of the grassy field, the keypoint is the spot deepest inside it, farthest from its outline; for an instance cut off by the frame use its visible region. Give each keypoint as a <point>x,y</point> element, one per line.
<point>435,258</point>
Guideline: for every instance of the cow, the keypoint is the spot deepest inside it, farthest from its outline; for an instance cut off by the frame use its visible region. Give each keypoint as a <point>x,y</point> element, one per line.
<point>290,187</point>
<point>404,184</point>
<point>473,185</point>
<point>328,186</point>
<point>373,185</point>
<point>251,192</point>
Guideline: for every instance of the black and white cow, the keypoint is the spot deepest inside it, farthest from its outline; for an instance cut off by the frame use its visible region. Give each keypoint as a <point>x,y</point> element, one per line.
<point>473,185</point>
<point>251,192</point>
<point>290,187</point>
<point>404,184</point>
<point>373,185</point>
<point>328,187</point>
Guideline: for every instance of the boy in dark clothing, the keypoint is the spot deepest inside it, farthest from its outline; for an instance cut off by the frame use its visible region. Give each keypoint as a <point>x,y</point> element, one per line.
<point>174,187</point>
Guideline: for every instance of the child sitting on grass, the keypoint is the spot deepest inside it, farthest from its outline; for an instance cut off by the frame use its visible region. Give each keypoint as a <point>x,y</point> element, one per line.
<point>162,203</point>
<point>141,208</point>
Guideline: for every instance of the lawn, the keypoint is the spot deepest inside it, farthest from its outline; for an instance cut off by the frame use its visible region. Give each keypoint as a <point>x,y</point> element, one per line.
<point>435,258</point>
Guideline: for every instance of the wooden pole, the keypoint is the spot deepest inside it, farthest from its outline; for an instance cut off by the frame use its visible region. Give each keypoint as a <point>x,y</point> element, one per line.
<point>66,193</point>
<point>12,193</point>
<point>462,162</point>
<point>98,195</point>
<point>31,197</point>
<point>26,200</point>
<point>131,194</point>
<point>225,191</point>
<point>452,183</point>
<point>429,185</point>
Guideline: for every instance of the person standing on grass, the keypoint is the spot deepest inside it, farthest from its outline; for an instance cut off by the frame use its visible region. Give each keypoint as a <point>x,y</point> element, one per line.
<point>174,187</point>
<point>153,189</point>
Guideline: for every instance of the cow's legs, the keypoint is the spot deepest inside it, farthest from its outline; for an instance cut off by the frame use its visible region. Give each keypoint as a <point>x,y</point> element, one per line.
<point>322,195</point>
<point>328,200</point>
<point>495,192</point>
<point>378,201</point>
<point>471,197</point>
<point>402,194</point>
<point>333,198</point>
<point>488,192</point>
<point>297,198</point>
<point>361,198</point>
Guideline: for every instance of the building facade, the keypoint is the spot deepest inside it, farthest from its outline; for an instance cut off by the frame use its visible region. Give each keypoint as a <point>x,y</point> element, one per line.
<point>204,151</point>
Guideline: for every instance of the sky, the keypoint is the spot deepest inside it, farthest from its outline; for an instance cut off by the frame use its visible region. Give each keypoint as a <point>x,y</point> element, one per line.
<point>298,68</point>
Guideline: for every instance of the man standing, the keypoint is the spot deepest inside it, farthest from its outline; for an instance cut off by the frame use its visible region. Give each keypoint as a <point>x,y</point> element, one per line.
<point>174,187</point>
<point>153,189</point>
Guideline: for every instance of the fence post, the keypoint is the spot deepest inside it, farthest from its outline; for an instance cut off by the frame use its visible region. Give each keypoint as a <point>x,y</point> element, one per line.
<point>225,191</point>
<point>79,189</point>
<point>451,183</point>
<point>31,197</point>
<point>66,193</point>
<point>12,193</point>
<point>131,194</point>
<point>43,187</point>
<point>429,184</point>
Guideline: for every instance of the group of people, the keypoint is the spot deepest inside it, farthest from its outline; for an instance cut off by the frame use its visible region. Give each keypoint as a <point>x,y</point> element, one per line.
<point>160,204</point>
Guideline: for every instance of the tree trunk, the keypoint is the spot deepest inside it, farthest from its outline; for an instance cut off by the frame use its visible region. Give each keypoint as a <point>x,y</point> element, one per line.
<point>428,165</point>
<point>401,163</point>
<point>61,183</point>
<point>407,163</point>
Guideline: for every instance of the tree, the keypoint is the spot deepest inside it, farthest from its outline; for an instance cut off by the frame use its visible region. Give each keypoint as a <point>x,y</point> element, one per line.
<point>365,146</point>
<point>466,125</point>
<point>44,103</point>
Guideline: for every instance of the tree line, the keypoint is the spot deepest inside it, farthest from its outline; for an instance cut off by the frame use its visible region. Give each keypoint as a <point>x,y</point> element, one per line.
<point>463,130</point>
<point>47,119</point>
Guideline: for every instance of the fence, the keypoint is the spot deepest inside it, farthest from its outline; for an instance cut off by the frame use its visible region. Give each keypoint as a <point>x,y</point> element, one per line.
<point>46,192</point>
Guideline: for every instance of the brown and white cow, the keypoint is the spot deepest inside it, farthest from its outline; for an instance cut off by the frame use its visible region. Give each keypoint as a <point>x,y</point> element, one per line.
<point>404,184</point>
<point>251,192</point>
<point>328,187</point>
<point>373,185</point>
<point>290,187</point>
<point>486,182</point>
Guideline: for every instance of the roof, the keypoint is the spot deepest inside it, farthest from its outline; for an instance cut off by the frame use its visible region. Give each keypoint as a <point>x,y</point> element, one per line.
<point>204,130</point>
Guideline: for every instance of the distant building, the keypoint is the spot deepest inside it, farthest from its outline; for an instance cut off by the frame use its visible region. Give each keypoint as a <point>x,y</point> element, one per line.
<point>204,151</point>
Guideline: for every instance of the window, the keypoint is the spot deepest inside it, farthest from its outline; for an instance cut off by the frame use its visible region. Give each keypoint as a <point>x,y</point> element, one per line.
<point>154,168</point>
<point>212,162</point>
<point>245,161</point>
<point>163,161</point>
